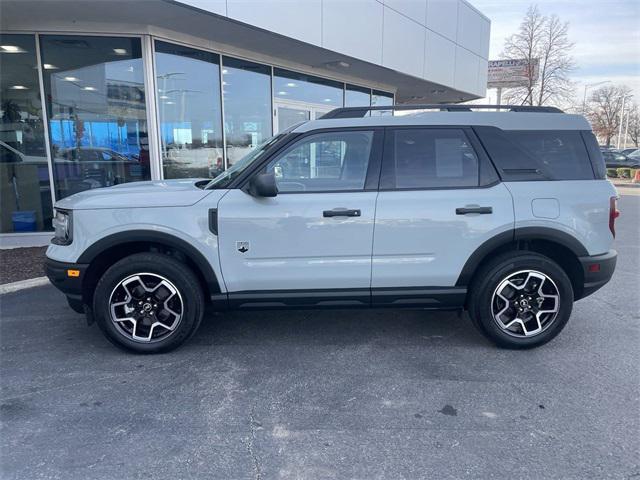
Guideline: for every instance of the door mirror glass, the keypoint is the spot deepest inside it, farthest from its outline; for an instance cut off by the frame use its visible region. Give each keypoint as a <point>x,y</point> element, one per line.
<point>263,185</point>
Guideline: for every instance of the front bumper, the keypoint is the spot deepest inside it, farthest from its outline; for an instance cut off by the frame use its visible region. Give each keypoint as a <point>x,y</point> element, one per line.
<point>59,276</point>
<point>598,270</point>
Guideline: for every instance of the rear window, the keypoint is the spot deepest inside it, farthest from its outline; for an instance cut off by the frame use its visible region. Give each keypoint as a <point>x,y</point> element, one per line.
<point>523,155</point>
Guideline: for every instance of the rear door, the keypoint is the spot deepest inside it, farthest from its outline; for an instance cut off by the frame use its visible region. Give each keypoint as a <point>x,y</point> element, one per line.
<point>439,200</point>
<point>311,244</point>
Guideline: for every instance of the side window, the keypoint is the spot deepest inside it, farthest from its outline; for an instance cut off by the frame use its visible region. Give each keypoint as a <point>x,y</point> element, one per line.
<point>429,158</point>
<point>561,153</point>
<point>524,155</point>
<point>331,161</point>
<point>597,162</point>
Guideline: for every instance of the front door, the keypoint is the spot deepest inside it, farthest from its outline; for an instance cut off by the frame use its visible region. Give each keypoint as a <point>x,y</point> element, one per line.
<point>316,235</point>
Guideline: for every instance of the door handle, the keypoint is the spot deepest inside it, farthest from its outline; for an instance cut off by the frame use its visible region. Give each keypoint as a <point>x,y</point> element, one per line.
<point>467,210</point>
<point>342,212</point>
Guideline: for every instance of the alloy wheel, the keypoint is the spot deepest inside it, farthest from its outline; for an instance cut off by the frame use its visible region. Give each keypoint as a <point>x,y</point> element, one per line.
<point>525,303</point>
<point>146,307</point>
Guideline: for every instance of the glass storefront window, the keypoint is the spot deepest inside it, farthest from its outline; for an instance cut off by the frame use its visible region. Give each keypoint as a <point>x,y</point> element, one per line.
<point>384,99</point>
<point>95,95</point>
<point>246,93</point>
<point>25,192</point>
<point>298,87</point>
<point>379,98</point>
<point>298,97</point>
<point>355,96</point>
<point>188,90</point>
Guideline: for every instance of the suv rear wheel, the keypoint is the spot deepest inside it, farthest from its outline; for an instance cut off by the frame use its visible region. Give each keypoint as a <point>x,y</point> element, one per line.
<point>148,303</point>
<point>521,300</point>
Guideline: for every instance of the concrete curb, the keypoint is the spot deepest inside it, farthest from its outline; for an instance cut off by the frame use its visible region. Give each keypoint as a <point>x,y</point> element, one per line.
<point>23,284</point>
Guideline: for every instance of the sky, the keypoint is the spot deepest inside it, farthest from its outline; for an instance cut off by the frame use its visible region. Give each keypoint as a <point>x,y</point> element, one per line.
<point>606,34</point>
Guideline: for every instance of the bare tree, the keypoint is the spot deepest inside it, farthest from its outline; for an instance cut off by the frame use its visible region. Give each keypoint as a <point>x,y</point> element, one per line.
<point>605,106</point>
<point>544,42</point>
<point>634,125</point>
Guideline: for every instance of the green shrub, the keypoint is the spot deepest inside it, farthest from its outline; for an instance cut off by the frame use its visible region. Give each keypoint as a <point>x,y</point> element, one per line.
<point>611,172</point>
<point>624,172</point>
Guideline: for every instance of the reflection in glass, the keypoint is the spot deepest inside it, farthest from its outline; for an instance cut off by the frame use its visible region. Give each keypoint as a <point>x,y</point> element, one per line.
<point>97,114</point>
<point>379,98</point>
<point>311,97</point>
<point>295,87</point>
<point>357,96</point>
<point>288,116</point>
<point>25,192</point>
<point>246,93</point>
<point>188,83</point>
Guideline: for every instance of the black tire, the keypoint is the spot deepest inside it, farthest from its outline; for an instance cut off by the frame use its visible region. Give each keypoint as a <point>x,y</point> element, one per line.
<point>490,276</point>
<point>182,278</point>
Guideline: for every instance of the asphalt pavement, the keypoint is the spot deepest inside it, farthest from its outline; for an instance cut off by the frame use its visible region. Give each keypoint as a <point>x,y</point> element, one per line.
<point>329,394</point>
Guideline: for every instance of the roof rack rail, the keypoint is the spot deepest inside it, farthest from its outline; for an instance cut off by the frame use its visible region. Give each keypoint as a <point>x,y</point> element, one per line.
<point>357,112</point>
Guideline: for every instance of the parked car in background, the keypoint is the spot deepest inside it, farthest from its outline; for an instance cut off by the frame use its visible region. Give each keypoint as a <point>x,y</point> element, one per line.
<point>634,156</point>
<point>619,160</point>
<point>628,151</point>
<point>9,154</point>
<point>83,168</point>
<point>94,154</point>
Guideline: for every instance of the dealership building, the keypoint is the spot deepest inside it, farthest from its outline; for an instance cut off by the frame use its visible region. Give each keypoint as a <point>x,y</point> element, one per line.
<point>97,93</point>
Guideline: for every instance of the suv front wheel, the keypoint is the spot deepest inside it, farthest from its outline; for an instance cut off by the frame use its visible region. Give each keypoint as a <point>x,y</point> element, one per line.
<point>521,300</point>
<point>148,303</point>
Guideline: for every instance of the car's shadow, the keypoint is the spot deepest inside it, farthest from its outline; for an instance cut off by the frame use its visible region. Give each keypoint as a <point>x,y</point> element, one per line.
<point>318,327</point>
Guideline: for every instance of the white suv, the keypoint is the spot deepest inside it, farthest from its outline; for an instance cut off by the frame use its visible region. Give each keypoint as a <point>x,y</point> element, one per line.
<point>506,214</point>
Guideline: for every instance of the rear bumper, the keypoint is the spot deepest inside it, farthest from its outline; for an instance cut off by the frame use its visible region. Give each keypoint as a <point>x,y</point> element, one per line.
<point>598,270</point>
<point>58,275</point>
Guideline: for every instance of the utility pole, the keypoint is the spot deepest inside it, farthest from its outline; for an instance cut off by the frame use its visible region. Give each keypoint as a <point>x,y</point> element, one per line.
<point>626,128</point>
<point>624,100</point>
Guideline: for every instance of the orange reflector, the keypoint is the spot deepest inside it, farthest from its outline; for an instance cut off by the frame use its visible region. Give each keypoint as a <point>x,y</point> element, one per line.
<point>73,273</point>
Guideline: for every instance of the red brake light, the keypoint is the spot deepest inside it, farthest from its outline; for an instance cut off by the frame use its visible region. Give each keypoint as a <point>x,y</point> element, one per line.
<point>613,214</point>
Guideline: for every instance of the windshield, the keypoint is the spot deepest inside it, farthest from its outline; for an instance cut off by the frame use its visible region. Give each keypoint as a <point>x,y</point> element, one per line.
<point>226,177</point>
<point>635,154</point>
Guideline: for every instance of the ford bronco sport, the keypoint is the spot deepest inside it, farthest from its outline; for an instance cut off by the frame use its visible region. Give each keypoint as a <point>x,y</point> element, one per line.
<point>502,211</point>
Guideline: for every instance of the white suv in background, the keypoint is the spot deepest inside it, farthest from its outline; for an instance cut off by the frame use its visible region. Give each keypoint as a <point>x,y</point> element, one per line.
<point>506,214</point>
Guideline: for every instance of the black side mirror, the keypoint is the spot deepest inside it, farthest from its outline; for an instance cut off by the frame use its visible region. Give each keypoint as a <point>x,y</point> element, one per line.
<point>263,185</point>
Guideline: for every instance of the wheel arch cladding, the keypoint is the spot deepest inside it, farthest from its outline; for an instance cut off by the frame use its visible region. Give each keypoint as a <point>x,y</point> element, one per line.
<point>108,250</point>
<point>557,245</point>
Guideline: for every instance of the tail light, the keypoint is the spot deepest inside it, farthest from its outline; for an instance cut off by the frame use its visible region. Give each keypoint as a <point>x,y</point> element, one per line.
<point>613,214</point>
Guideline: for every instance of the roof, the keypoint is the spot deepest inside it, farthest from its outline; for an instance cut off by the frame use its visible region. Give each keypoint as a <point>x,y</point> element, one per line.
<point>502,120</point>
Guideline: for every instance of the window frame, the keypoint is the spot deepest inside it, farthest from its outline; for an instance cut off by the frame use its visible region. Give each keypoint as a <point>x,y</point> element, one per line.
<point>387,174</point>
<point>372,176</point>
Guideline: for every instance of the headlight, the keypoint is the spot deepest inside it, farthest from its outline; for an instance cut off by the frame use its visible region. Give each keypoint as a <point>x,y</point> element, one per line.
<point>62,227</point>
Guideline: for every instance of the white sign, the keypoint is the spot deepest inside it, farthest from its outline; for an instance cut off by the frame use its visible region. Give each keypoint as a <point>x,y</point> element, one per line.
<point>511,73</point>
